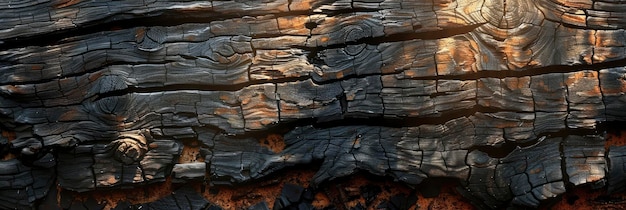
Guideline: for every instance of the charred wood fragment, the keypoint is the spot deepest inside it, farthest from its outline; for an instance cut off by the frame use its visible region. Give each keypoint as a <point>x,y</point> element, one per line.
<point>508,98</point>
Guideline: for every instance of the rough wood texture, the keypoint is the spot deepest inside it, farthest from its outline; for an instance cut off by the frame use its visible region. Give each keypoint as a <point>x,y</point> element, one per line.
<point>510,98</point>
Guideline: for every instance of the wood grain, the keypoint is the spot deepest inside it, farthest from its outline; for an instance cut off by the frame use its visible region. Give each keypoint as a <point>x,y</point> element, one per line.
<point>510,98</point>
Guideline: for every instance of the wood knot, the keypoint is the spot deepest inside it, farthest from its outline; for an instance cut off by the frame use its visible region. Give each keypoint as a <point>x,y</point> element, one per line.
<point>150,39</point>
<point>224,53</point>
<point>479,159</point>
<point>356,32</point>
<point>129,148</point>
<point>511,14</point>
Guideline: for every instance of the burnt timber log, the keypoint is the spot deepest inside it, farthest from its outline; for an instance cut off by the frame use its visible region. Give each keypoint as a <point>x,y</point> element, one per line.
<point>510,98</point>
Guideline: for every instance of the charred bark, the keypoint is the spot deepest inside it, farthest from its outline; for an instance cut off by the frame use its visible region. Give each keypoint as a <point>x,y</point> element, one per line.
<point>509,98</point>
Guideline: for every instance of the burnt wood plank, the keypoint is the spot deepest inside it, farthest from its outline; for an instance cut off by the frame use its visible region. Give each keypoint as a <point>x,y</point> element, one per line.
<point>508,97</point>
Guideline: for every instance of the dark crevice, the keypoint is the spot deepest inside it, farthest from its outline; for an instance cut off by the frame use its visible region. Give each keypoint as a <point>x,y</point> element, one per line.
<point>343,102</point>
<point>567,101</point>
<point>310,25</point>
<point>378,120</point>
<point>398,122</point>
<point>181,87</point>
<point>176,201</point>
<point>501,74</point>
<point>314,59</point>
<point>348,12</point>
<point>126,21</point>
<point>499,151</point>
<point>565,177</point>
<point>161,18</point>
<point>314,165</point>
<point>428,35</point>
<point>503,150</point>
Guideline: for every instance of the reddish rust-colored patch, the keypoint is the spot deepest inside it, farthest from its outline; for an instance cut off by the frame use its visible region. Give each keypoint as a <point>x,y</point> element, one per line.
<point>343,193</point>
<point>9,135</point>
<point>36,67</point>
<point>585,198</point>
<point>8,156</point>
<point>115,28</point>
<point>274,142</point>
<point>617,138</point>
<point>448,198</point>
<point>321,200</point>
<point>153,145</point>
<point>191,152</point>
<point>346,194</point>
<point>225,111</point>
<point>244,196</point>
<point>139,194</point>
<point>139,34</point>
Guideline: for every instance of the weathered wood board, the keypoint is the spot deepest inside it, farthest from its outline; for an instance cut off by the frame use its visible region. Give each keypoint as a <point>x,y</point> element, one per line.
<point>508,97</point>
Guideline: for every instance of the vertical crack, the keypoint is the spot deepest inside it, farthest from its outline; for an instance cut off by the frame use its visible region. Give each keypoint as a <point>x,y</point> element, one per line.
<point>143,173</point>
<point>289,4</point>
<point>243,117</point>
<point>177,203</point>
<point>343,101</point>
<point>530,183</point>
<point>93,169</point>
<point>380,142</point>
<point>250,65</point>
<point>503,15</point>
<point>568,110</point>
<point>532,96</point>
<point>466,160</point>
<point>356,142</point>
<point>277,96</point>
<point>565,176</point>
<point>587,16</point>
<point>593,48</point>
<point>380,95</point>
<point>602,98</point>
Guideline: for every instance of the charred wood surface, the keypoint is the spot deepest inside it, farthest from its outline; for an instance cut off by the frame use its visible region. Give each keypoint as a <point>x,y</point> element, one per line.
<point>512,99</point>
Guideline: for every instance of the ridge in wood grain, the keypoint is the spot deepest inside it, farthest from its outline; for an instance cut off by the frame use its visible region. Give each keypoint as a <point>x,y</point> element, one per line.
<point>507,97</point>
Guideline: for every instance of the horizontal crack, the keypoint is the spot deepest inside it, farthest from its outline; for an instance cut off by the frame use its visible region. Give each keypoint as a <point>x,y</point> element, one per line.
<point>234,87</point>
<point>501,74</point>
<point>505,149</point>
<point>166,88</point>
<point>427,35</point>
<point>381,121</point>
<point>398,37</point>
<point>166,18</point>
